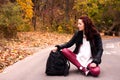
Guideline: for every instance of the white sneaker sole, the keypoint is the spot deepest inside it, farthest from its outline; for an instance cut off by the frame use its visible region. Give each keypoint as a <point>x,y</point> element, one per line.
<point>86,73</point>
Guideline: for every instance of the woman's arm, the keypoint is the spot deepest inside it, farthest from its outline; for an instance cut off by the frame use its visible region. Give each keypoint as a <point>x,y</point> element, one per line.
<point>69,43</point>
<point>99,48</point>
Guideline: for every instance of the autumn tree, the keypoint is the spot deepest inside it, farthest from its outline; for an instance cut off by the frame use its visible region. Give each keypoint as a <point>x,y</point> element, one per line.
<point>52,15</point>
<point>27,7</point>
<point>10,18</point>
<point>111,17</point>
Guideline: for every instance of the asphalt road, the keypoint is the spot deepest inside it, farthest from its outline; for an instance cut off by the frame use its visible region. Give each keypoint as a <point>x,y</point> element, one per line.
<point>33,67</point>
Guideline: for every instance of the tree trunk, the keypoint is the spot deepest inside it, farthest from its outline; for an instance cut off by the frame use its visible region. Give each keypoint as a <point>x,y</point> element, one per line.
<point>111,31</point>
<point>12,1</point>
<point>3,1</point>
<point>34,22</point>
<point>51,16</point>
<point>67,10</point>
<point>34,15</point>
<point>113,26</point>
<point>41,11</point>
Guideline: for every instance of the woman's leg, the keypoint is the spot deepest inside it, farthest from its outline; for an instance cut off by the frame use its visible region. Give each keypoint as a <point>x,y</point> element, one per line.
<point>72,58</point>
<point>95,71</point>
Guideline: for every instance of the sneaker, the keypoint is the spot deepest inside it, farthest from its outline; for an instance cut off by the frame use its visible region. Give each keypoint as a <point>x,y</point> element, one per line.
<point>86,72</point>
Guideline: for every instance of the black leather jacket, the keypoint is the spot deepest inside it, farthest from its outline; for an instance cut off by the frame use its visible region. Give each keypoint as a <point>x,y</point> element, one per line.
<point>96,45</point>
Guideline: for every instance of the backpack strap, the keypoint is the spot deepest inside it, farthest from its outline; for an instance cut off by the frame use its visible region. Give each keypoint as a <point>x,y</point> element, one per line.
<point>68,64</point>
<point>66,71</point>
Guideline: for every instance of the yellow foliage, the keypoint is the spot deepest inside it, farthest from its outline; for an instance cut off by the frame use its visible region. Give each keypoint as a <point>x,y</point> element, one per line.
<point>27,7</point>
<point>60,29</point>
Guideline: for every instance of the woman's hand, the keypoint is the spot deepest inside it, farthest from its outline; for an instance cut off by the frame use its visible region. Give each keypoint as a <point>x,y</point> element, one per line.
<point>93,65</point>
<point>54,49</point>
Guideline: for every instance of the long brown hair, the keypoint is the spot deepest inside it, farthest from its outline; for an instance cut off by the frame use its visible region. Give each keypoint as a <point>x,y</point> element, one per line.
<point>90,29</point>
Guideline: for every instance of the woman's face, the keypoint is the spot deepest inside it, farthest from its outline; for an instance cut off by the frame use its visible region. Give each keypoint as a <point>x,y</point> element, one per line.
<point>80,25</point>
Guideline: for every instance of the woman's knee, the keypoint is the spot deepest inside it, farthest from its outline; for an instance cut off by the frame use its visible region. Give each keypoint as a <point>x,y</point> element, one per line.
<point>95,71</point>
<point>67,52</point>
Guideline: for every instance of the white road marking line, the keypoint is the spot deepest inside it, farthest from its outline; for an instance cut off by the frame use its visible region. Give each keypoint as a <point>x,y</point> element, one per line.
<point>106,52</point>
<point>110,45</point>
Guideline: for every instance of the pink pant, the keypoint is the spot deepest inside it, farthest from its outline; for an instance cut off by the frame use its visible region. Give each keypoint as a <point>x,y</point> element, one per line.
<point>95,71</point>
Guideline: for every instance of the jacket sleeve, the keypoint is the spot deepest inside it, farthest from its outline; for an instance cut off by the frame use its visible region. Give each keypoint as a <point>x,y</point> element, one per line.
<point>69,43</point>
<point>99,48</point>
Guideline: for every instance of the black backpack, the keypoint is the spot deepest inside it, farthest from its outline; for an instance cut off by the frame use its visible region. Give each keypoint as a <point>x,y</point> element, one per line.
<point>57,64</point>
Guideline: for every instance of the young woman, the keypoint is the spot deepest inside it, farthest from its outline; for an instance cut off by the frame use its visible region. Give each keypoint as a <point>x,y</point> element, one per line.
<point>88,47</point>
